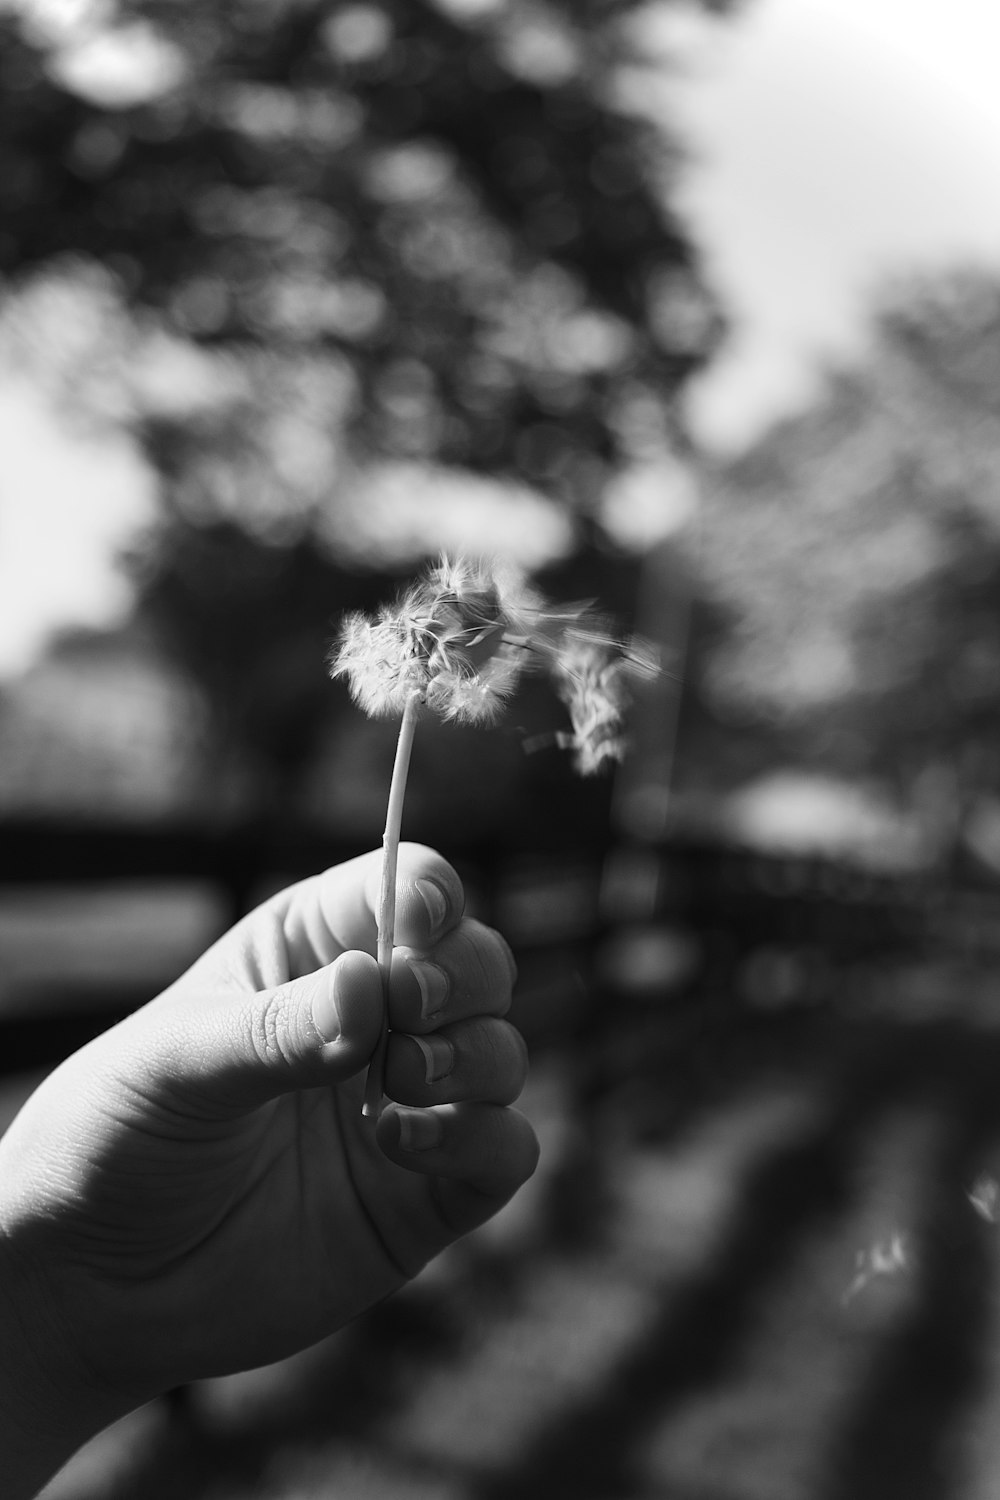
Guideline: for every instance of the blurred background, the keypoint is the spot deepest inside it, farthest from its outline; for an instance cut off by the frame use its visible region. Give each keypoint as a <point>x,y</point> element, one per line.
<point>689,306</point>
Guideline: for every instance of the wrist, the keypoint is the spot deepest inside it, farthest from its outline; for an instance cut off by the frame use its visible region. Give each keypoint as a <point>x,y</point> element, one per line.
<point>49,1404</point>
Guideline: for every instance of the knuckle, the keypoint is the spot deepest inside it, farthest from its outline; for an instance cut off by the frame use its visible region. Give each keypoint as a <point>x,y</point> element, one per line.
<point>269,1029</point>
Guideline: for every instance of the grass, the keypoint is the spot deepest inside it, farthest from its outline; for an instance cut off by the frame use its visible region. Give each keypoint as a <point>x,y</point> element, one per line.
<point>668,1309</point>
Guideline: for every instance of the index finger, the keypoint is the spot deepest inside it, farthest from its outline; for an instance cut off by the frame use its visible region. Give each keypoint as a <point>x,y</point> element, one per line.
<point>336,911</point>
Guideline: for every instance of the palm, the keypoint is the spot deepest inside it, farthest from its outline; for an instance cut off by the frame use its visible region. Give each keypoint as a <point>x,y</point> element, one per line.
<point>330,1224</point>
<point>290,1210</point>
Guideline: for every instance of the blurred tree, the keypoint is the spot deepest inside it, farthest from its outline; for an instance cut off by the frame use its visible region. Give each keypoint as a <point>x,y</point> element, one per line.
<point>338,234</point>
<point>251,624</point>
<point>860,544</point>
<point>453,210</point>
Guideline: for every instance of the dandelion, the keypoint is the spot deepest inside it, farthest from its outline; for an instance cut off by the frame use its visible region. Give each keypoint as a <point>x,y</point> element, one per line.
<point>452,638</point>
<point>456,643</point>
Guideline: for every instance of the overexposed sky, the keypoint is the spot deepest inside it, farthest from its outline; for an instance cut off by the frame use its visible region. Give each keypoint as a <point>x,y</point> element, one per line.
<point>67,503</point>
<point>834,143</point>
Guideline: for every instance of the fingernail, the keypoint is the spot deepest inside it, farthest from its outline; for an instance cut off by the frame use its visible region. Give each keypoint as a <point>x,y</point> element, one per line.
<point>419,1129</point>
<point>439,1057</point>
<point>435,901</point>
<point>433,985</point>
<point>325,1011</point>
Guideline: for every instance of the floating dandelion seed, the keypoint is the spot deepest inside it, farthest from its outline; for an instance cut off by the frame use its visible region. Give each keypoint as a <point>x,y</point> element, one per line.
<point>456,642</point>
<point>984,1195</point>
<point>884,1258</point>
<point>590,679</point>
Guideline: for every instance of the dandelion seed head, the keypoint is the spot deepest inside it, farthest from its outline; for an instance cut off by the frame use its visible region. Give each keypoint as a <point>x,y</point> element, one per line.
<point>381,664</point>
<point>464,633</point>
<point>446,637</point>
<point>471,607</point>
<point>472,698</point>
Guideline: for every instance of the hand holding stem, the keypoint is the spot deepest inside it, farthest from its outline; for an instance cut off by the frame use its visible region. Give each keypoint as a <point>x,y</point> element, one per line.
<point>457,641</point>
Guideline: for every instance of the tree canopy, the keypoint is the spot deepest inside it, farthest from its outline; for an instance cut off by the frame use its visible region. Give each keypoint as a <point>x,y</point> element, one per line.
<point>292,243</point>
<point>860,544</point>
<point>451,221</point>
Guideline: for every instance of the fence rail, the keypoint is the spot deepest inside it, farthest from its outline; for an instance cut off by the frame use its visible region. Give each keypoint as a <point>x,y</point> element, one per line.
<point>557,907</point>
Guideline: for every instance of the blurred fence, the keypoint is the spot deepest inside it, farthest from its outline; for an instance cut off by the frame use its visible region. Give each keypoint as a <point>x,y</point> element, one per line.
<point>94,920</point>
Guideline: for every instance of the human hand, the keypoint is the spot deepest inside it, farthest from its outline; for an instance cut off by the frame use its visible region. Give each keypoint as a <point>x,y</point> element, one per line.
<point>196,1191</point>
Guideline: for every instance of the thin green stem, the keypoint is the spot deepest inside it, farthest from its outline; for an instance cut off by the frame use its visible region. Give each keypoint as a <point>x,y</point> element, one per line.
<point>386,918</point>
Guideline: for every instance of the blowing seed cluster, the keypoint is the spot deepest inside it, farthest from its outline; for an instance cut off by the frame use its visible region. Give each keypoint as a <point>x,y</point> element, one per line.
<point>460,637</point>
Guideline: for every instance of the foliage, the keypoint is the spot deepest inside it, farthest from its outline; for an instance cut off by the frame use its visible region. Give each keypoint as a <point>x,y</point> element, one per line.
<point>448,213</point>
<point>251,624</point>
<point>289,243</point>
<point>860,542</point>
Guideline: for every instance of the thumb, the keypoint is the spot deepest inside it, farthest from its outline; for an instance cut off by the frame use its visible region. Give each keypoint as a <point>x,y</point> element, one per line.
<point>318,1029</point>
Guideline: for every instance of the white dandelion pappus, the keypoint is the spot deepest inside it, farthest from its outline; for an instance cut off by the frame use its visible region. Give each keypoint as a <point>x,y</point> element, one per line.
<point>885,1258</point>
<point>450,637</point>
<point>590,677</point>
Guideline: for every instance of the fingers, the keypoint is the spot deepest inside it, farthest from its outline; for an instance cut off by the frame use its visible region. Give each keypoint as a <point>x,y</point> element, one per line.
<point>470,971</point>
<point>233,1052</point>
<point>481,1154</point>
<point>482,1059</point>
<point>335,911</point>
<point>312,1007</point>
<point>429,896</point>
<point>322,1027</point>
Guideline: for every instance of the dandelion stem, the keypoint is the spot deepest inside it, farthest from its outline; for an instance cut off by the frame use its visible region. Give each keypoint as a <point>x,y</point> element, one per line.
<point>375,1082</point>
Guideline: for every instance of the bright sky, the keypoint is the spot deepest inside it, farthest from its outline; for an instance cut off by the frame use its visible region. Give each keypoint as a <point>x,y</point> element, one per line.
<point>66,506</point>
<point>836,141</point>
